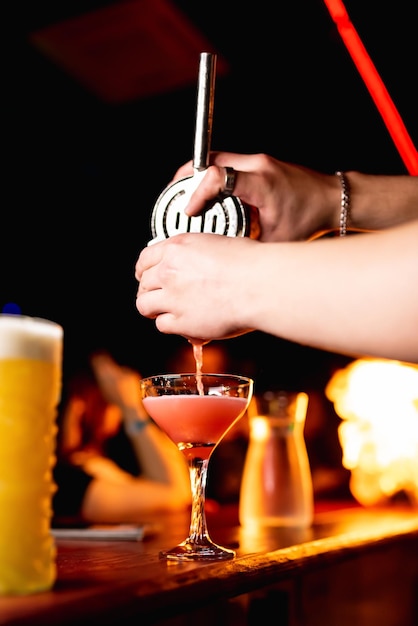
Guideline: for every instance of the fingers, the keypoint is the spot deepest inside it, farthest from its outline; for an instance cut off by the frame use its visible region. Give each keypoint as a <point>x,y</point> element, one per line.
<point>211,186</point>
<point>183,171</point>
<point>149,256</point>
<point>243,171</point>
<point>221,159</point>
<point>148,288</point>
<point>215,180</point>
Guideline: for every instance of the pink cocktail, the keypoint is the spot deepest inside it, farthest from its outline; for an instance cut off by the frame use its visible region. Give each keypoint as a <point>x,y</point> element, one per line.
<point>196,411</point>
<point>196,423</point>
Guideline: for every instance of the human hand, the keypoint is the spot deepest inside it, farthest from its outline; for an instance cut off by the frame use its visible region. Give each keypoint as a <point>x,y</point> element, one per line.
<point>191,284</point>
<point>119,385</point>
<point>294,203</point>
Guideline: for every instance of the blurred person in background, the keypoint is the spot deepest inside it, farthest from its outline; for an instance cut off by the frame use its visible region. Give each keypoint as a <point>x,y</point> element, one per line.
<point>114,465</point>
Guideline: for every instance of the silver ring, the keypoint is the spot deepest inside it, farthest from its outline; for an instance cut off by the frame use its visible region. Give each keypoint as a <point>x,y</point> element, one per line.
<point>230,178</point>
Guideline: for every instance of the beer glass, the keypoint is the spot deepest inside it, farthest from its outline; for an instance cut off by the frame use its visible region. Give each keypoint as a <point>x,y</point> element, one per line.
<point>30,388</point>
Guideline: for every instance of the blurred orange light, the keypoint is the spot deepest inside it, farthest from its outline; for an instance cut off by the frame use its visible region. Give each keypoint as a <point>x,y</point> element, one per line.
<point>377,400</point>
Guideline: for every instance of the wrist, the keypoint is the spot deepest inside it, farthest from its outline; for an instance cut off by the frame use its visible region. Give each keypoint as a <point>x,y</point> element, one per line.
<point>323,218</point>
<point>135,426</point>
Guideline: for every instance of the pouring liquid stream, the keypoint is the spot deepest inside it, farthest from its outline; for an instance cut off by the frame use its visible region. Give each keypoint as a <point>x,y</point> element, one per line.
<point>198,357</point>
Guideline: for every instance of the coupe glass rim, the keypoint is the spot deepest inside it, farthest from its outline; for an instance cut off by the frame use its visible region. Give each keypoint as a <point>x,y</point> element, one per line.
<point>235,377</point>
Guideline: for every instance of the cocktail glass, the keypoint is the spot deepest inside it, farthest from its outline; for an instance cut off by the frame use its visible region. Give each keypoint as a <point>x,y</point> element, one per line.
<point>196,411</point>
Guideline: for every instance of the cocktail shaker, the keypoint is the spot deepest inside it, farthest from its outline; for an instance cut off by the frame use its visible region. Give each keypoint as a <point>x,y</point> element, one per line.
<point>226,215</point>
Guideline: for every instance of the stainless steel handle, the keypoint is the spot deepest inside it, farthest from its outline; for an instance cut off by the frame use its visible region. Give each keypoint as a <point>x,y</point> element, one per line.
<point>204,110</point>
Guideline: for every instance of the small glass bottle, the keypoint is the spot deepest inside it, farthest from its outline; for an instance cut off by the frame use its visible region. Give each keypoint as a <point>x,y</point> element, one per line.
<point>276,486</point>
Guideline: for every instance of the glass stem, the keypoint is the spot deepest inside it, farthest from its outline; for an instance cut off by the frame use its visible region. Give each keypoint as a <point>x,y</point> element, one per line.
<point>198,469</point>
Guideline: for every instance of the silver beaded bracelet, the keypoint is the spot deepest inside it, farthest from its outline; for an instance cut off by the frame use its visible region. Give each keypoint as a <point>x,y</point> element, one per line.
<point>345,203</point>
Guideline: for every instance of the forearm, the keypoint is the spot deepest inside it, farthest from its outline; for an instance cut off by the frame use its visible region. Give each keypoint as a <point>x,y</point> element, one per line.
<point>354,295</point>
<point>357,296</point>
<point>378,202</point>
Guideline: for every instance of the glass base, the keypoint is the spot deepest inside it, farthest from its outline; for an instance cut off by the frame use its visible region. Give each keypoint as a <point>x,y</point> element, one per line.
<point>191,551</point>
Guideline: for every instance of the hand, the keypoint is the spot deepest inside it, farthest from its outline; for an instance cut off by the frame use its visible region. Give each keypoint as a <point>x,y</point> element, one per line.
<point>190,284</point>
<point>119,385</point>
<point>294,203</point>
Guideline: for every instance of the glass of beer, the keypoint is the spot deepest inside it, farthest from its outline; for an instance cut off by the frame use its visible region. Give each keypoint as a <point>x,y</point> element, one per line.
<point>30,389</point>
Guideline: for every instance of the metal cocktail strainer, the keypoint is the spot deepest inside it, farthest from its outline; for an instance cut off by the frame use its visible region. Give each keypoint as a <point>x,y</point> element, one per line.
<point>227,215</point>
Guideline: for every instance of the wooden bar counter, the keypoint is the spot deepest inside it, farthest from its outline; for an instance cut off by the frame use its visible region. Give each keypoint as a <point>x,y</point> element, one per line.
<point>354,567</point>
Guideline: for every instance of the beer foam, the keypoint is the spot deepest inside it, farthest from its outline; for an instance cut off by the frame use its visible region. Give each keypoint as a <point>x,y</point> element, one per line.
<point>30,337</point>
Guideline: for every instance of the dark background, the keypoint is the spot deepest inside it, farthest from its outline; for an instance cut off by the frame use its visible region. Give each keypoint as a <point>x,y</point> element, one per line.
<point>80,175</point>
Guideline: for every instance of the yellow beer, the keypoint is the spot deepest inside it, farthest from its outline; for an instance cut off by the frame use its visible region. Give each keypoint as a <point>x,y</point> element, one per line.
<point>30,387</point>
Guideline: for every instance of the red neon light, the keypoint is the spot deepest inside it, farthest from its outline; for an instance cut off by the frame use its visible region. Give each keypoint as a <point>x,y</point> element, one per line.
<point>375,85</point>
